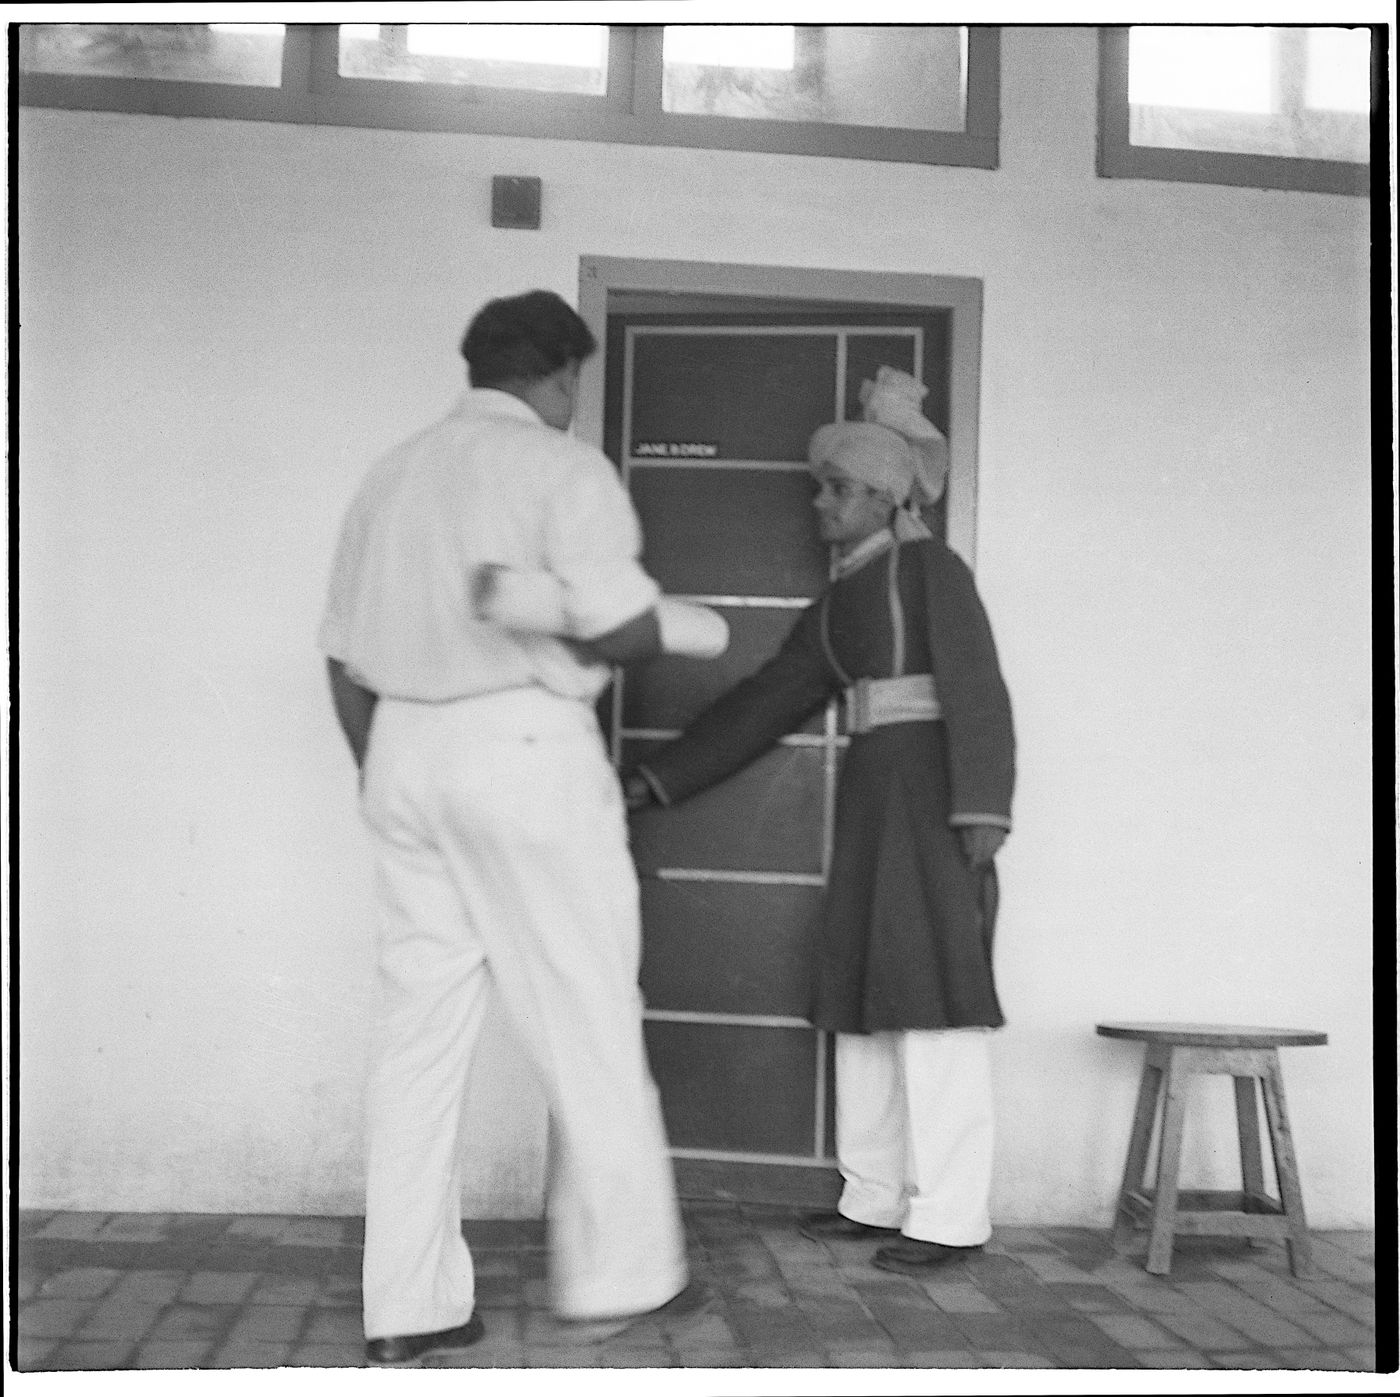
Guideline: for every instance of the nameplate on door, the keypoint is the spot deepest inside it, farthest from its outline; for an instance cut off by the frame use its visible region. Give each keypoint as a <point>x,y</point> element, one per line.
<point>690,450</point>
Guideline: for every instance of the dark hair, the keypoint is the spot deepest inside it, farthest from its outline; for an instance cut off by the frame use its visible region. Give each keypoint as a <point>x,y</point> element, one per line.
<point>524,338</point>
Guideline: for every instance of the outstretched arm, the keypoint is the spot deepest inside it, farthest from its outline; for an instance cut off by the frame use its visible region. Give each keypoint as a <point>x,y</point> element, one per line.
<point>354,708</point>
<point>742,724</point>
<point>537,602</point>
<point>637,639</point>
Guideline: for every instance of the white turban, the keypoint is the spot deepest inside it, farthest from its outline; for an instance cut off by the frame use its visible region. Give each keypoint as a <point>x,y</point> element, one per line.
<point>895,450</point>
<point>892,400</point>
<point>867,452</point>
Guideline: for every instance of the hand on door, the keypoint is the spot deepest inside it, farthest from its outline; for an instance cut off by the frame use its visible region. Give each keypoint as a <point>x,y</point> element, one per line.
<point>636,792</point>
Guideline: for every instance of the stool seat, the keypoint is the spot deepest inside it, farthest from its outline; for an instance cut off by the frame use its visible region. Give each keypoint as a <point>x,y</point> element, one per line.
<point>1177,1052</point>
<point>1214,1035</point>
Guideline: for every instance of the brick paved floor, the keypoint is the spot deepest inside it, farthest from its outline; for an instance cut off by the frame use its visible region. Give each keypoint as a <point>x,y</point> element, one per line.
<point>106,1291</point>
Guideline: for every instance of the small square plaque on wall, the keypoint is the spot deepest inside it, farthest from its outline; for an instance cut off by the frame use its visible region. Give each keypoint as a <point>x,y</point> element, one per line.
<point>515,201</point>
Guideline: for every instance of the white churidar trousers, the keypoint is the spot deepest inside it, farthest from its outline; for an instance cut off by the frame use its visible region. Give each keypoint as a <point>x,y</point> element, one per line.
<point>914,1132</point>
<point>502,867</point>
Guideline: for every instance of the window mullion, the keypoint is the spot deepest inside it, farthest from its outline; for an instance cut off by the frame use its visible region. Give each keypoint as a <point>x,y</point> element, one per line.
<point>297,46</point>
<point>647,72</point>
<point>323,58</point>
<point>622,74</point>
<point>1290,71</point>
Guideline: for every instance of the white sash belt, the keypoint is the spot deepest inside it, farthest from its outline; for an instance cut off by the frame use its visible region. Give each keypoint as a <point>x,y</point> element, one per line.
<point>872,703</point>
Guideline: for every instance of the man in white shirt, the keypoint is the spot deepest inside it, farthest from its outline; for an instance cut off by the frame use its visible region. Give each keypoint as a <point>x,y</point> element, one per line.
<point>500,836</point>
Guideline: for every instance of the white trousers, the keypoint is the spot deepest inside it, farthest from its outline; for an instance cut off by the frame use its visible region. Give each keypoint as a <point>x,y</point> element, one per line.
<point>502,867</point>
<point>914,1132</point>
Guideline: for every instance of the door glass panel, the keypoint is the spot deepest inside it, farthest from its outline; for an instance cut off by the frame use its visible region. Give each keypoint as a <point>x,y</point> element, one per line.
<point>912,77</point>
<point>669,692</point>
<point>730,1087</point>
<point>864,356</point>
<point>529,57</point>
<point>865,353</point>
<point>754,397</point>
<point>768,818</point>
<point>730,532</point>
<point>245,54</point>
<point>704,950</point>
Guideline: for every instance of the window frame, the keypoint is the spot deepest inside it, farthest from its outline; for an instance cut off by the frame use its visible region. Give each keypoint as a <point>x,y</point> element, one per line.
<point>175,96</point>
<point>1118,158</point>
<point>976,145</point>
<point>630,113</point>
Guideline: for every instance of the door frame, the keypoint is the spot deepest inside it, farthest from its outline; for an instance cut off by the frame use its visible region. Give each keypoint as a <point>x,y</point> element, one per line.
<point>601,277</point>
<point>609,285</point>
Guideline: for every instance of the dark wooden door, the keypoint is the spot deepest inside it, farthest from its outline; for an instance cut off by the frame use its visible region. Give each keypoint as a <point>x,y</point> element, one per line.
<point>708,418</point>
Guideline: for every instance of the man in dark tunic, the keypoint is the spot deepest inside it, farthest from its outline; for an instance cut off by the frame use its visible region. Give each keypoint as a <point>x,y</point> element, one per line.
<point>903,964</point>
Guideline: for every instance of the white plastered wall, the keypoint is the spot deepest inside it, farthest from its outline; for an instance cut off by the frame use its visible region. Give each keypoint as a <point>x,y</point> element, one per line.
<point>223,323</point>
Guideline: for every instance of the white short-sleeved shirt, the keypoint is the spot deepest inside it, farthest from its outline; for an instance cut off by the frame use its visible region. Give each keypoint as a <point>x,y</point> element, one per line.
<point>490,483</point>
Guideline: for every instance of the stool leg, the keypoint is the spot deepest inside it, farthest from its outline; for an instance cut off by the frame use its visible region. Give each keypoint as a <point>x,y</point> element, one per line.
<point>1138,1141</point>
<point>1159,1245</point>
<point>1251,1158</point>
<point>1286,1167</point>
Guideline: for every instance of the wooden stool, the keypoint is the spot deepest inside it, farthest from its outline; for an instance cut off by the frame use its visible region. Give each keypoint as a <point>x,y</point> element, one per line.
<point>1176,1053</point>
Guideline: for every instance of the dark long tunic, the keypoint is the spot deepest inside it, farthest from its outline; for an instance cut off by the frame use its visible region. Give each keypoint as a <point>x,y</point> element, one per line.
<point>903,942</point>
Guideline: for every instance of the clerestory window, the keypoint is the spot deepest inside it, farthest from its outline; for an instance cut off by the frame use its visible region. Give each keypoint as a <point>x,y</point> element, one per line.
<point>1270,107</point>
<point>918,93</point>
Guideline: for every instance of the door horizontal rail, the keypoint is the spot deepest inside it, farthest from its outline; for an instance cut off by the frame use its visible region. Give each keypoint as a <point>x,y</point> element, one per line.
<point>741,1157</point>
<point>792,739</point>
<point>704,599</point>
<point>732,1020</point>
<point>737,875</point>
<point>708,463</point>
<point>813,330</point>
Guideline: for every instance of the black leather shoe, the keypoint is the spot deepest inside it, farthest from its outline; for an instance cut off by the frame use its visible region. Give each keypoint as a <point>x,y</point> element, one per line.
<point>399,1349</point>
<point>912,1257</point>
<point>834,1227</point>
